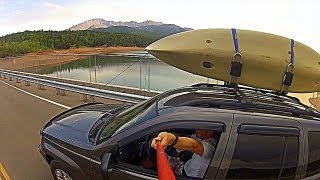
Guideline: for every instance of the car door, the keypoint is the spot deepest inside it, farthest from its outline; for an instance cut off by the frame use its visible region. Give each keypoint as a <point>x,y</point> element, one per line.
<point>218,122</point>
<point>263,147</point>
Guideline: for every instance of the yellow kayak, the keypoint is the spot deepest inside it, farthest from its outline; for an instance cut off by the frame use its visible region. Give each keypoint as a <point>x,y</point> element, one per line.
<point>265,57</point>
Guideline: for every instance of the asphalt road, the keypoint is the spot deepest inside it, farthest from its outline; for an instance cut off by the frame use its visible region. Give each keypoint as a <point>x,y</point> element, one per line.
<point>21,117</point>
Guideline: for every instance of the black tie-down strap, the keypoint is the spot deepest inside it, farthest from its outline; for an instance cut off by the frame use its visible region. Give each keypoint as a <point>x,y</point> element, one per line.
<point>235,70</point>
<point>288,75</point>
<point>287,80</point>
<point>236,63</point>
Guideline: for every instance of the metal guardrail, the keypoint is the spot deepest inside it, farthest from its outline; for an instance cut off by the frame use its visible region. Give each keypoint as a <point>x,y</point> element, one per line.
<point>29,77</point>
<point>135,54</point>
<point>111,87</point>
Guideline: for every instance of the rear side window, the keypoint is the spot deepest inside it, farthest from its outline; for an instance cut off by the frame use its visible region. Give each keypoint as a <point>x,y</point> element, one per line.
<point>264,157</point>
<point>290,158</point>
<point>314,154</point>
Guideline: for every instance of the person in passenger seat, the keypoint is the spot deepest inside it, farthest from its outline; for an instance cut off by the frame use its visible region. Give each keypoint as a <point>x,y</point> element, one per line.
<point>203,147</point>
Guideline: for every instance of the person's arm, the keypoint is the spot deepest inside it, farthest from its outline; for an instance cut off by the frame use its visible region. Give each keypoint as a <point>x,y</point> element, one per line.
<point>183,143</point>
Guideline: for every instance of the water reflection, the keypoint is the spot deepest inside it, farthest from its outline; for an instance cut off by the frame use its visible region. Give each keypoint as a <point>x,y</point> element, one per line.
<point>126,71</point>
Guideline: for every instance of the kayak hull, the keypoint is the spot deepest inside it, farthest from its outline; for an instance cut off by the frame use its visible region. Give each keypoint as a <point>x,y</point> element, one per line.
<point>265,57</point>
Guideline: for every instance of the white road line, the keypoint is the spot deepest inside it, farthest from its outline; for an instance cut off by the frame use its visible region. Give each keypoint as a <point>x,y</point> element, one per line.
<point>44,99</point>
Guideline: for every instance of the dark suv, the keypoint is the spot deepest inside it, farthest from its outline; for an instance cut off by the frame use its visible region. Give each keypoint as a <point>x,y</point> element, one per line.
<point>261,135</point>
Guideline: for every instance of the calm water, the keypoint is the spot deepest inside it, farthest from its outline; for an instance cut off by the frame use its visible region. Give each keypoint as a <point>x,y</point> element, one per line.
<point>144,73</point>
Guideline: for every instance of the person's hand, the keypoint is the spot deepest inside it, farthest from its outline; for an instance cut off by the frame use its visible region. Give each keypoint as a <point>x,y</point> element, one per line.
<point>165,139</point>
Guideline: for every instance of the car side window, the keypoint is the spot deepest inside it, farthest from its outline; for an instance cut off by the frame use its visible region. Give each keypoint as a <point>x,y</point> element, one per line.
<point>313,167</point>
<point>139,156</point>
<point>291,158</point>
<point>264,156</point>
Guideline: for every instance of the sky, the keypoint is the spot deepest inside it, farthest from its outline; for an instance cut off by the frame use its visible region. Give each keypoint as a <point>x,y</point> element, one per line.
<point>297,19</point>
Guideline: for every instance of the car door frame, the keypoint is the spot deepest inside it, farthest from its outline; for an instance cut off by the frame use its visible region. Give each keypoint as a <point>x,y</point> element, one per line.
<point>265,120</point>
<point>171,121</point>
<point>308,125</point>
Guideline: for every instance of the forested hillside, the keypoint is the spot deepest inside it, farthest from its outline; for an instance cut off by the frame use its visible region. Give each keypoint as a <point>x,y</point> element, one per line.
<point>151,32</point>
<point>31,41</point>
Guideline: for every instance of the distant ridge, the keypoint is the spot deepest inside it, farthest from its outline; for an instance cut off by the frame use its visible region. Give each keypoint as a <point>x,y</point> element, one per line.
<point>101,23</point>
<point>153,32</point>
<point>150,29</point>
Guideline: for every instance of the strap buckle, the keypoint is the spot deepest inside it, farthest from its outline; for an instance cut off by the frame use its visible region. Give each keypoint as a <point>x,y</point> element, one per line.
<point>235,70</point>
<point>287,79</point>
<point>288,75</point>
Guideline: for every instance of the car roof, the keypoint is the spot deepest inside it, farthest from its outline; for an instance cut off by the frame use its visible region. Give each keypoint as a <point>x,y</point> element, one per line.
<point>241,99</point>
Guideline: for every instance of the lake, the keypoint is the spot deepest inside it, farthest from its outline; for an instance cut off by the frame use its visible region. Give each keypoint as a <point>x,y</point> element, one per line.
<point>133,69</point>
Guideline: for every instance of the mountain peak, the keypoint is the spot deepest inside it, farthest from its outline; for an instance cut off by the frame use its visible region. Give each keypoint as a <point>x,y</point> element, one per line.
<point>149,23</point>
<point>101,23</point>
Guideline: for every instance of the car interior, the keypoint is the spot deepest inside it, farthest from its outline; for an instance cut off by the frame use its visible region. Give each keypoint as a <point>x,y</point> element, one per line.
<point>141,157</point>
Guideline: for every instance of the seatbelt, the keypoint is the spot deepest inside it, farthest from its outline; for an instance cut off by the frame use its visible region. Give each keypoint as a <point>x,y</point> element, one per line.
<point>236,63</point>
<point>288,75</point>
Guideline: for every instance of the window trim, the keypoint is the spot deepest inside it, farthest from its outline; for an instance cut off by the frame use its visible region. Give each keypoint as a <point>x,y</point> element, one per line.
<point>258,129</point>
<point>129,170</point>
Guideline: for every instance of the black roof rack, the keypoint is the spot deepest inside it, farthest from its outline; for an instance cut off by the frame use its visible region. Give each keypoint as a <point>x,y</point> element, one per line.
<point>247,98</point>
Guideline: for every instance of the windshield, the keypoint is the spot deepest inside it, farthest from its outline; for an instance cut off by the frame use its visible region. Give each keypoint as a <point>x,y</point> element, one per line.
<point>125,117</point>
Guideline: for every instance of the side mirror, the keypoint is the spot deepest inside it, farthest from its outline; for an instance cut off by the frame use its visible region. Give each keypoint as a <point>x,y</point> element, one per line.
<point>105,164</point>
<point>107,160</point>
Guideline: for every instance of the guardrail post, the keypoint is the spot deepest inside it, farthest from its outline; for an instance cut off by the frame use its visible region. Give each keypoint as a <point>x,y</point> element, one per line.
<point>18,80</point>
<point>91,98</point>
<point>10,78</point>
<point>4,77</point>
<point>40,86</point>
<point>84,98</point>
<point>27,83</point>
<point>62,92</point>
<point>58,91</point>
